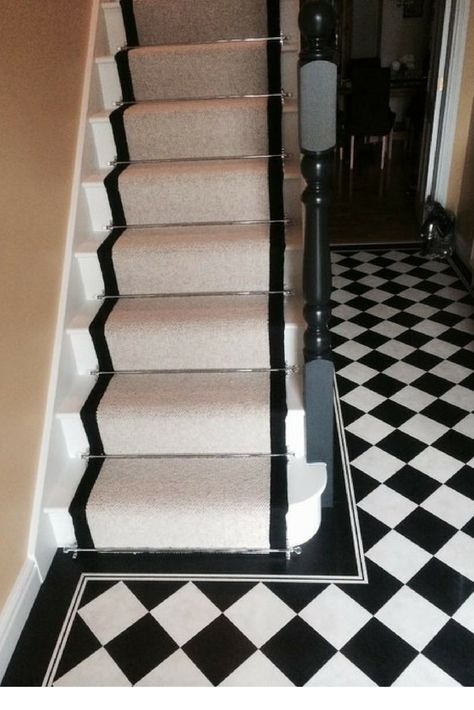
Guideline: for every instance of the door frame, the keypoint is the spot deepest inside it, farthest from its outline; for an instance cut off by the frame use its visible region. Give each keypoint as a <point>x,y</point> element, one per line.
<point>450,71</point>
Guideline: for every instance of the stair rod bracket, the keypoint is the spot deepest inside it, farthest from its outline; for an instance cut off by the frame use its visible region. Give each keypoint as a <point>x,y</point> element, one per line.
<point>317,79</point>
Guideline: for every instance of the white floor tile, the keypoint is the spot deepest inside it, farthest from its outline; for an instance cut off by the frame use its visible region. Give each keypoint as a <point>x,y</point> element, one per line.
<point>398,556</point>
<point>396,349</point>
<point>340,672</point>
<point>449,505</point>
<point>440,348</point>
<point>363,398</point>
<point>388,329</point>
<point>99,670</point>
<point>421,310</point>
<point>335,616</point>
<point>347,329</point>
<point>356,372</point>
<point>256,672</point>
<point>423,428</point>
<point>404,372</point>
<point>370,429</point>
<point>412,398</point>
<point>382,311</point>
<point>430,327</point>
<point>387,505</point>
<point>436,464</point>
<point>412,617</point>
<point>185,613</point>
<point>413,294</point>
<point>378,463</point>
<point>451,371</point>
<point>377,295</point>
<point>458,553</point>
<point>352,349</point>
<point>112,612</point>
<point>259,614</point>
<point>460,396</point>
<point>345,312</point>
<point>422,673</point>
<point>176,671</point>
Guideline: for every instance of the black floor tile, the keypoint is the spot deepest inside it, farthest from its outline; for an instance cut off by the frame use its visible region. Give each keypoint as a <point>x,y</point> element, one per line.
<point>377,361</point>
<point>431,384</point>
<point>384,385</point>
<point>456,445</point>
<point>285,650</point>
<point>150,595</point>
<point>444,413</point>
<point>426,530</point>
<point>140,648</point>
<point>392,413</point>
<point>219,649</point>
<point>401,445</point>
<point>379,653</point>
<point>412,484</point>
<point>422,360</point>
<point>463,482</point>
<point>224,595</point>
<point>452,649</point>
<point>442,586</point>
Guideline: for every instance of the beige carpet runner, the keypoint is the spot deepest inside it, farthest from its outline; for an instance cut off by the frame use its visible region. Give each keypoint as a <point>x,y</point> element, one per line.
<point>186,421</point>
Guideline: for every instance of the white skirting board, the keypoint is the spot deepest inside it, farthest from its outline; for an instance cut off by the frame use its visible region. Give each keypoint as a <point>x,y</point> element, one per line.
<point>16,610</point>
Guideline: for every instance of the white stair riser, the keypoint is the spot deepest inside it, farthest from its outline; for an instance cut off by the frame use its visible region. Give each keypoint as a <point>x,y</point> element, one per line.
<point>101,216</point>
<point>106,151</point>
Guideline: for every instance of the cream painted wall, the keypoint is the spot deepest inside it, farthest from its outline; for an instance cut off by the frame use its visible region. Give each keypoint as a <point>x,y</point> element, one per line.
<point>42,56</point>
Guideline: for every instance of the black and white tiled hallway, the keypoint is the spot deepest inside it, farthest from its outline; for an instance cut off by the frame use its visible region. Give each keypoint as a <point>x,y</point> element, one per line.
<point>403,330</point>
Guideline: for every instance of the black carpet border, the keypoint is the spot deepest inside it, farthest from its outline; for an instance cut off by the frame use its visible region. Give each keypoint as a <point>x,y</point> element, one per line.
<point>128,14</point>
<point>120,135</point>
<point>276,320</point>
<point>125,75</point>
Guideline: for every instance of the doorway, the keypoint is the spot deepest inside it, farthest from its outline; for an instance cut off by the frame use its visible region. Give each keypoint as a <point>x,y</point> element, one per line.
<point>381,167</point>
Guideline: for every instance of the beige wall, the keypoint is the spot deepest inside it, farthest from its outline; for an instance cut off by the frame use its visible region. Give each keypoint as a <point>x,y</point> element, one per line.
<point>461,181</point>
<point>42,55</point>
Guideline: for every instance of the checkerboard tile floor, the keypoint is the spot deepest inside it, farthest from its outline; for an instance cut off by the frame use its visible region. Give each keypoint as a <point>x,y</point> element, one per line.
<point>403,342</point>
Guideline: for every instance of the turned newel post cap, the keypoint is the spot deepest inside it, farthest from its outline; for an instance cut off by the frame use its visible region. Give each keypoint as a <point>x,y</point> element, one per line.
<point>317,20</point>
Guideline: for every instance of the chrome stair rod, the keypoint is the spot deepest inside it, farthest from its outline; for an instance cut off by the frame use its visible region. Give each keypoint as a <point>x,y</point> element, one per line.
<point>71,549</point>
<point>292,369</point>
<point>170,225</point>
<point>287,292</point>
<point>221,97</point>
<point>281,38</point>
<point>184,456</point>
<point>202,159</point>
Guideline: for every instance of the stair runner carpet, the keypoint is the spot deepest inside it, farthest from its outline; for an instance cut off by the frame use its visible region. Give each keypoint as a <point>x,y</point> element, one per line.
<point>173,267</point>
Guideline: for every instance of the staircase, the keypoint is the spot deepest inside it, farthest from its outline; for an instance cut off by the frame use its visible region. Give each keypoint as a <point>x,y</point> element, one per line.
<point>177,420</point>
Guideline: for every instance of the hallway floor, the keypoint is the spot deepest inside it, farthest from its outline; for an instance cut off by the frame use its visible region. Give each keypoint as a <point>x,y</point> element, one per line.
<point>370,205</point>
<point>403,330</point>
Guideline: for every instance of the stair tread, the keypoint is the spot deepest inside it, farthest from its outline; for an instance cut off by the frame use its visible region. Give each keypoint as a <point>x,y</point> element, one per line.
<point>193,20</point>
<point>180,238</point>
<point>148,334</point>
<point>200,503</point>
<point>191,413</point>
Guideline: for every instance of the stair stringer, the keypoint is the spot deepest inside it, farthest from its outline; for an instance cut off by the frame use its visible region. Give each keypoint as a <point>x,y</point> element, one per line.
<point>61,466</point>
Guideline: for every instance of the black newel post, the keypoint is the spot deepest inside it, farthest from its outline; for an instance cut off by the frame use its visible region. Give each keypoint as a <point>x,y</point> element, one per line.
<point>317,114</point>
